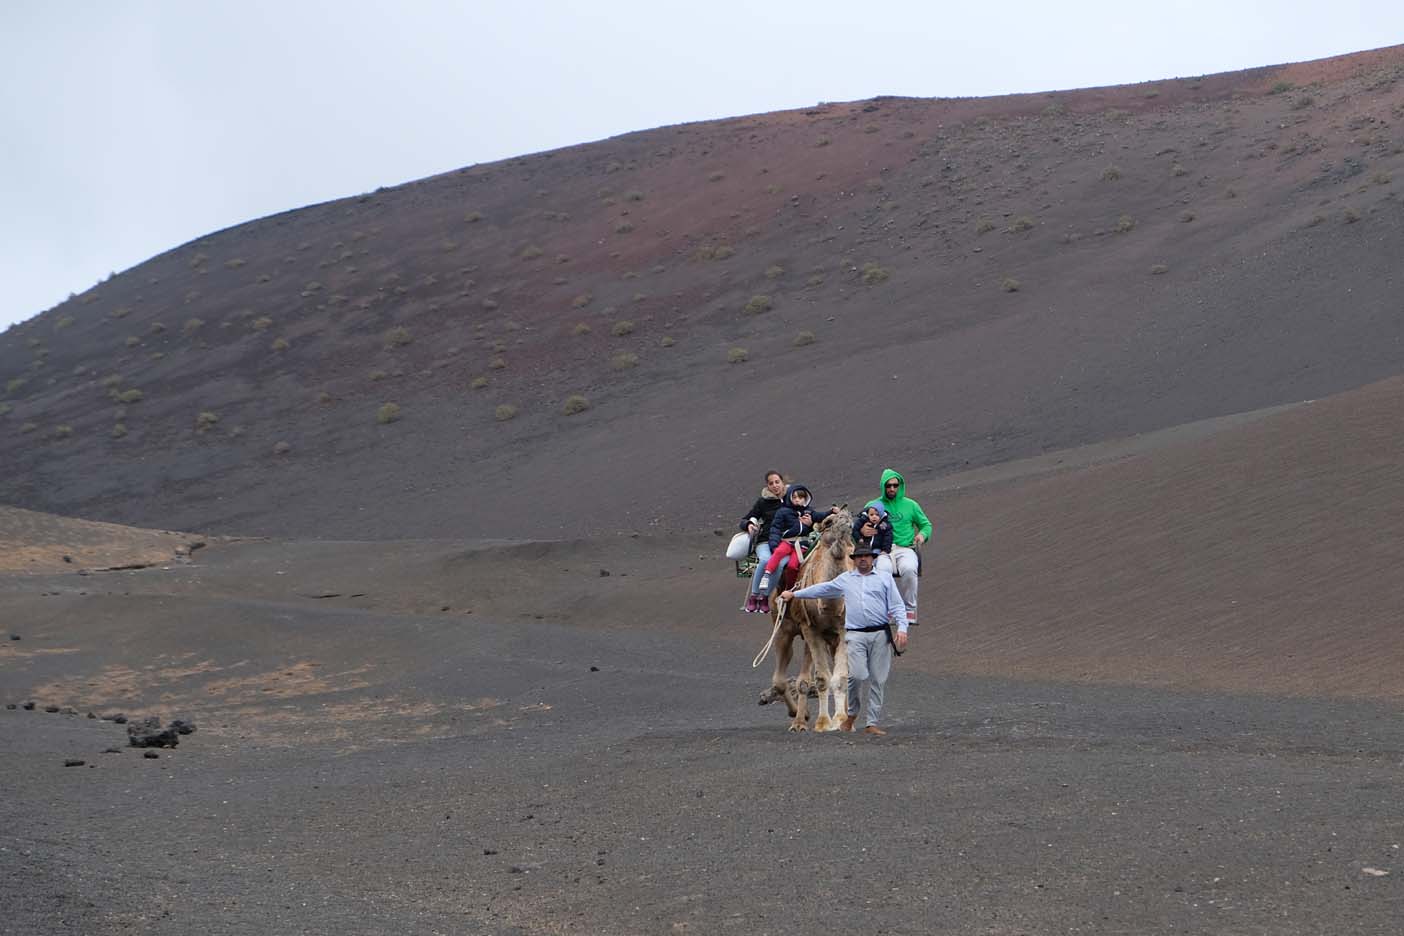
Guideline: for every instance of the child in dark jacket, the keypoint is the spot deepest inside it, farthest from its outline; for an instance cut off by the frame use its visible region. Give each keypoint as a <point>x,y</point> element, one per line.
<point>792,521</point>
<point>874,518</point>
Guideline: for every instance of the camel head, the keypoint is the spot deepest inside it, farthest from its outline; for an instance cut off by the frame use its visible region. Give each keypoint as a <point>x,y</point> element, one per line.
<point>836,533</point>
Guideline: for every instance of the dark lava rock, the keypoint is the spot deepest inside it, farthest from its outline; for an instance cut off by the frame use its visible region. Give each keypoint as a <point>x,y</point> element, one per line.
<point>11,705</point>
<point>119,719</point>
<point>150,754</point>
<point>91,715</point>
<point>28,706</point>
<point>150,734</point>
<point>112,750</point>
<point>67,558</point>
<point>489,851</point>
<point>69,710</point>
<point>51,709</point>
<point>182,726</point>
<point>74,762</point>
<point>14,636</point>
<point>594,669</point>
<point>604,573</point>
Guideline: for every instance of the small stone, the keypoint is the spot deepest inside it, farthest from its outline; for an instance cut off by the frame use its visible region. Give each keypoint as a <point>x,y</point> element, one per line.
<point>74,762</point>
<point>150,755</point>
<point>489,851</point>
<point>112,750</point>
<point>11,705</point>
<point>604,573</point>
<point>28,706</point>
<point>594,669</point>
<point>51,709</point>
<point>183,727</point>
<point>67,558</point>
<point>119,719</point>
<point>14,636</point>
<point>91,715</point>
<point>150,734</point>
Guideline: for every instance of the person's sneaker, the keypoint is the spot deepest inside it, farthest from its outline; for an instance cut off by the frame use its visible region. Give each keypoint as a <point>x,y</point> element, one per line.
<point>763,606</point>
<point>874,730</point>
<point>752,605</point>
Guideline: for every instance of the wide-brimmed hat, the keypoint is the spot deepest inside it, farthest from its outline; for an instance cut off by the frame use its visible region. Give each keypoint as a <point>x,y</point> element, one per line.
<point>864,548</point>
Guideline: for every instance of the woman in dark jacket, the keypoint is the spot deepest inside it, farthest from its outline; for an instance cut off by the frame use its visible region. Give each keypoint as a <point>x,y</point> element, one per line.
<point>757,522</point>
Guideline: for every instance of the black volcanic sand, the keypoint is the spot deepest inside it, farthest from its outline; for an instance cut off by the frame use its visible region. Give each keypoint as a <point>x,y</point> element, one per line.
<point>389,768</point>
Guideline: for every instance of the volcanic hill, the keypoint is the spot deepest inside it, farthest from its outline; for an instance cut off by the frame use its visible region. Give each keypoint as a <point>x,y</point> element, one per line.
<point>623,335</point>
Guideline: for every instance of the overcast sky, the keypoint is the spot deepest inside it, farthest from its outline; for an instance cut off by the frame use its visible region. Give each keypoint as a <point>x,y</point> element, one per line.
<point>130,127</point>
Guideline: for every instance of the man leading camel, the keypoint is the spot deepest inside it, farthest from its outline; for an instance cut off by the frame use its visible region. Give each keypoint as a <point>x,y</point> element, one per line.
<point>910,529</point>
<point>870,603</point>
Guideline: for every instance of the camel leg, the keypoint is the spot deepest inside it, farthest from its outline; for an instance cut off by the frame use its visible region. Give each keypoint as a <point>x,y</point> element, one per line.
<point>798,702</point>
<point>823,678</point>
<point>784,652</point>
<point>839,685</point>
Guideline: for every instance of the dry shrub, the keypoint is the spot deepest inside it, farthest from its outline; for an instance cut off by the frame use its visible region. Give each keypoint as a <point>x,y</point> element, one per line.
<point>984,226</point>
<point>119,430</point>
<point>580,329</point>
<point>873,274</point>
<point>388,413</point>
<point>280,344</point>
<point>281,448</point>
<point>575,403</point>
<point>504,412</point>
<point>667,342</point>
<point>582,300</point>
<point>262,323</point>
<point>805,337</point>
<point>1021,223</point>
<point>206,421</point>
<point>758,304</point>
<point>397,337</point>
<point>1111,174</point>
<point>624,360</point>
<point>1159,269</point>
<point>622,328</point>
<point>714,252</point>
<point>531,252</point>
<point>1009,284</point>
<point>478,383</point>
<point>736,355</point>
<point>1124,224</point>
<point>775,271</point>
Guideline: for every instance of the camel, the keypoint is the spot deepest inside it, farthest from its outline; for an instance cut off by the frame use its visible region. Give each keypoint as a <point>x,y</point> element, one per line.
<point>820,624</point>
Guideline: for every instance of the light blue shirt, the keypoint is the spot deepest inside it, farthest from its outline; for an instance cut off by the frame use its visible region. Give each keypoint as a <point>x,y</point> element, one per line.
<point>870,600</point>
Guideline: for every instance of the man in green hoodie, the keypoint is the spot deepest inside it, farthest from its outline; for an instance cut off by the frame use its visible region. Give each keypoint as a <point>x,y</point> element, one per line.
<point>910,529</point>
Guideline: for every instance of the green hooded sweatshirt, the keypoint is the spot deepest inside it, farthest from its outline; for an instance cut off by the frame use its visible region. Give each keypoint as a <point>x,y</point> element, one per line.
<point>905,514</point>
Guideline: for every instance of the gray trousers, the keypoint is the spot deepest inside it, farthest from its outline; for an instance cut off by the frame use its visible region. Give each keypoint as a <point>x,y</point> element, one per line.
<point>869,660</point>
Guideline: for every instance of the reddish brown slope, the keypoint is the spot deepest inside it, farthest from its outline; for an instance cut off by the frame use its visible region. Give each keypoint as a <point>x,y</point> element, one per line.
<point>1267,197</point>
<point>1265,558</point>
